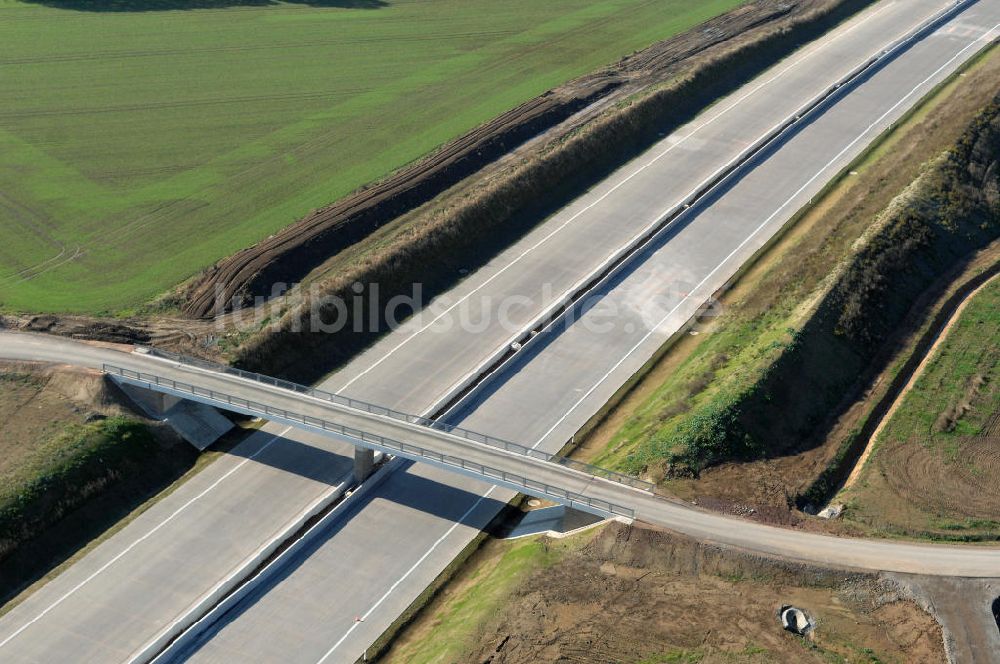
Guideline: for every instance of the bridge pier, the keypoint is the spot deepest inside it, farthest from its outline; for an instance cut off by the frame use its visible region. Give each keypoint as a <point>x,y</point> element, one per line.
<point>364,462</point>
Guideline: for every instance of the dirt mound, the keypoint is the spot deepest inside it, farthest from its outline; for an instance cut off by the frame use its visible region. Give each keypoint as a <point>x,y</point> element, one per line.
<point>776,515</point>
<point>37,400</point>
<point>290,254</point>
<point>638,594</point>
<point>968,486</point>
<point>95,330</point>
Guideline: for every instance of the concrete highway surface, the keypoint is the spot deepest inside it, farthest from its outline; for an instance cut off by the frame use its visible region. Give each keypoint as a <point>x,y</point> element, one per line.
<point>334,600</point>
<point>865,554</point>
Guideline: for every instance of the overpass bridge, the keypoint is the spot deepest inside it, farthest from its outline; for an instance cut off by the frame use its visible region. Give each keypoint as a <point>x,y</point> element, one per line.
<point>533,472</point>
<point>371,427</point>
<point>635,500</point>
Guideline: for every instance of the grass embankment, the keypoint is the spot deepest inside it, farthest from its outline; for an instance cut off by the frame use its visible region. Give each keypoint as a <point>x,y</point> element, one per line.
<point>440,245</point>
<point>482,586</point>
<point>807,322</point>
<point>63,472</point>
<point>74,464</point>
<point>933,469</point>
<point>227,121</point>
<point>629,594</point>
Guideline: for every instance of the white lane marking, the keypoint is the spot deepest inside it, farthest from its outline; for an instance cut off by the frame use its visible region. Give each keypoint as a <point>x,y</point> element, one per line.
<point>410,571</point>
<point>234,578</point>
<point>630,352</point>
<point>481,498</point>
<point>669,149</point>
<point>143,538</point>
<point>809,53</point>
<point>761,227</point>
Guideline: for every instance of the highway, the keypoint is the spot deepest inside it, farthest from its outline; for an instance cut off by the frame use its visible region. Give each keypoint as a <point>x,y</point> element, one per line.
<point>676,515</point>
<point>546,397</point>
<point>216,388</point>
<point>373,564</point>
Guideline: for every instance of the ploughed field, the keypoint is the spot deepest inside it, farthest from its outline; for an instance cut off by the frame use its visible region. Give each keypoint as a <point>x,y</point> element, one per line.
<point>142,140</point>
<point>934,469</point>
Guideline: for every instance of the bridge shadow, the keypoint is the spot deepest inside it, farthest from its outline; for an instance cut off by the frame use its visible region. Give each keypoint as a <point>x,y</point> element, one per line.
<point>320,465</point>
<point>643,257</point>
<point>299,458</point>
<point>416,493</point>
<point>175,5</point>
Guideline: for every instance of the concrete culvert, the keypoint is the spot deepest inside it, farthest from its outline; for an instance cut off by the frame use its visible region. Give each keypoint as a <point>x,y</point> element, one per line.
<point>996,611</point>
<point>794,620</point>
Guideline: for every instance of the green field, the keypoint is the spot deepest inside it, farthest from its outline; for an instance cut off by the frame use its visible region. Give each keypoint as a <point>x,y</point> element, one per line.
<point>140,145</point>
<point>957,395</point>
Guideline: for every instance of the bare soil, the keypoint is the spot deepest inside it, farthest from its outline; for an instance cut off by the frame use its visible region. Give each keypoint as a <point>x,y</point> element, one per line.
<point>915,476</point>
<point>965,609</point>
<point>637,594</point>
<point>192,337</point>
<point>38,401</point>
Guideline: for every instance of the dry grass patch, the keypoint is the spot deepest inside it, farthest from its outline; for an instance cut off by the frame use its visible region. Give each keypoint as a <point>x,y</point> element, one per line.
<point>634,594</point>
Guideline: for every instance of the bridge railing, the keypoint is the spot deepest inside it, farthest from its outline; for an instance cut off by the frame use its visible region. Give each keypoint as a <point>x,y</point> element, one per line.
<point>483,439</point>
<point>408,450</point>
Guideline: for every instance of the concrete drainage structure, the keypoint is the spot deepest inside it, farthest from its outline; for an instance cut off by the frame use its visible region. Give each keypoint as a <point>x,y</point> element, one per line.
<point>795,620</point>
<point>831,512</point>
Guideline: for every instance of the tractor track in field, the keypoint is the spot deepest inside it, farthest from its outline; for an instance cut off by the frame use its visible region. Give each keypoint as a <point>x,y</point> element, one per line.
<point>927,350</point>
